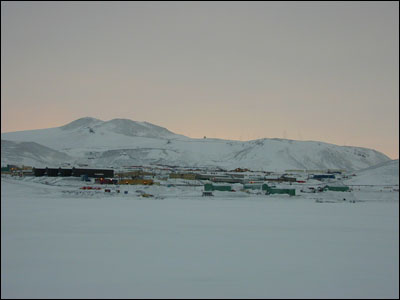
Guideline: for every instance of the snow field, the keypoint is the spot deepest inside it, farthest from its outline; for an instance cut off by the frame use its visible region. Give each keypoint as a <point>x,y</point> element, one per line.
<point>194,247</point>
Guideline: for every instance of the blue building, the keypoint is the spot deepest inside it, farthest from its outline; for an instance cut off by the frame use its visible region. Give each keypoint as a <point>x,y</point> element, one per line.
<point>323,176</point>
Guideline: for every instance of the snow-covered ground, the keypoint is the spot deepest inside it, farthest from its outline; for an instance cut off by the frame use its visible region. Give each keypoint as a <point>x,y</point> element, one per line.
<point>62,242</point>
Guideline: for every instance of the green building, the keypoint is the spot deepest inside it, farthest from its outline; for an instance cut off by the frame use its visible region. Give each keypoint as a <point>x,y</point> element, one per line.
<point>270,191</point>
<point>210,187</point>
<point>290,192</point>
<point>263,187</point>
<point>337,188</point>
<point>5,169</point>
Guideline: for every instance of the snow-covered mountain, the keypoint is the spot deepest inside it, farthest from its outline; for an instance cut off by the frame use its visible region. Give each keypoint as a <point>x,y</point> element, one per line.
<point>121,142</point>
<point>120,126</point>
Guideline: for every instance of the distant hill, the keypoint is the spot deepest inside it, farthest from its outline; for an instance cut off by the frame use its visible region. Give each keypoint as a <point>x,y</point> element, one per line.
<point>386,173</point>
<point>30,154</point>
<point>123,142</point>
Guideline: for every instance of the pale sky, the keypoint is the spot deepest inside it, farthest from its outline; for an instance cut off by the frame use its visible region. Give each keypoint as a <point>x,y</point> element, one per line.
<point>326,71</point>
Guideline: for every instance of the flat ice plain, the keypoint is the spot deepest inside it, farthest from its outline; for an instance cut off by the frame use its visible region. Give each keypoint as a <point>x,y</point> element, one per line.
<point>232,245</point>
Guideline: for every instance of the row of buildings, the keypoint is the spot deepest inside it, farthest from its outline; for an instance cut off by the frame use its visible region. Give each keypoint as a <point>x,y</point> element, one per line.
<point>223,177</point>
<point>75,172</point>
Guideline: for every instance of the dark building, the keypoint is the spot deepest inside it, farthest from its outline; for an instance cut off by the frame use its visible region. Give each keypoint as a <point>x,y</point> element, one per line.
<point>64,172</point>
<point>323,176</point>
<point>204,176</point>
<point>289,179</point>
<point>54,172</point>
<point>39,171</point>
<point>227,179</point>
<point>51,172</point>
<point>281,179</point>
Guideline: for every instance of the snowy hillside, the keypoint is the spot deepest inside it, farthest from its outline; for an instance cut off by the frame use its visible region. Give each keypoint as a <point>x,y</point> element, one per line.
<point>386,173</point>
<point>121,142</point>
<point>30,154</point>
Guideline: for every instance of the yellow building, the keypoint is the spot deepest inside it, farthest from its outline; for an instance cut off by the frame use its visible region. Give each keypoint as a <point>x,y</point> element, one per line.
<point>189,176</point>
<point>136,181</point>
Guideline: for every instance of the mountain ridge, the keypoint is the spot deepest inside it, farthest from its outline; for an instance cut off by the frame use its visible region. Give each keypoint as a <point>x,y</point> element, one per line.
<point>122,142</point>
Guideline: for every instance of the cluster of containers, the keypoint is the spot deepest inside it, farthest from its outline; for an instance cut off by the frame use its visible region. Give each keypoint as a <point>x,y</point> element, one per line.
<point>264,187</point>
<point>124,181</point>
<point>208,187</point>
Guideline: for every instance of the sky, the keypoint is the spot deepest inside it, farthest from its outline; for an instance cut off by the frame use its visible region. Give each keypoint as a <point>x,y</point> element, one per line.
<point>326,71</point>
